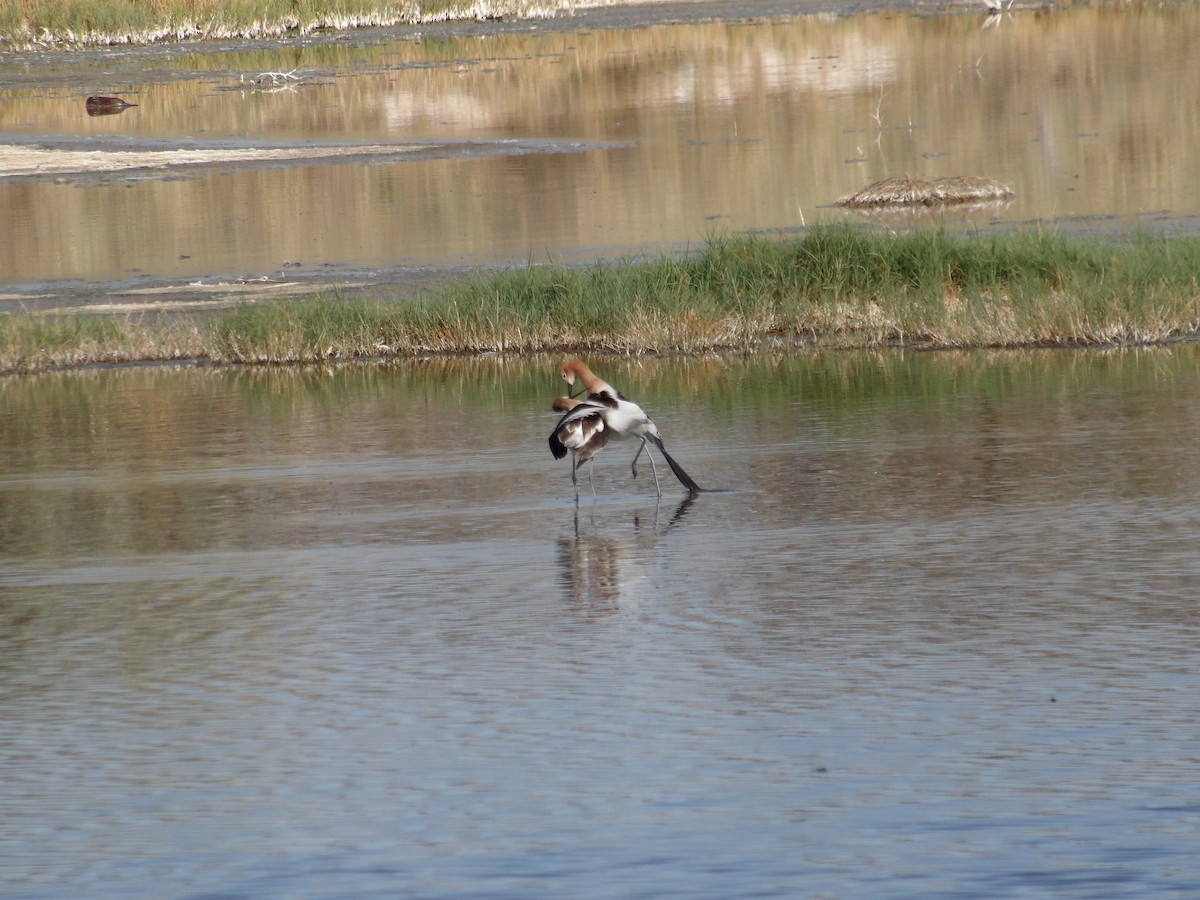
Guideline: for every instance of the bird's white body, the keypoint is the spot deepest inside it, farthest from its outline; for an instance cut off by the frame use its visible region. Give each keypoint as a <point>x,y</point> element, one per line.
<point>625,419</point>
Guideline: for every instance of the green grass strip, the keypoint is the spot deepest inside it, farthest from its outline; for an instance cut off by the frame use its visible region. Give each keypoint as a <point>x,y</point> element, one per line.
<point>838,286</point>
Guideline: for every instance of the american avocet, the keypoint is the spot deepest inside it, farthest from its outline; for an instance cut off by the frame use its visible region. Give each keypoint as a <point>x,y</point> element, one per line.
<point>622,418</point>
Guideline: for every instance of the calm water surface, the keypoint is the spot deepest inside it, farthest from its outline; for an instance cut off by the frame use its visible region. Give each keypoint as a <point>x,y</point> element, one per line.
<point>567,140</point>
<point>344,632</point>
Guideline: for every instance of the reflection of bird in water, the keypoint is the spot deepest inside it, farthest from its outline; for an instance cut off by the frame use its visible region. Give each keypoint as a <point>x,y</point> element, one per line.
<point>584,436</point>
<point>590,572</point>
<point>98,105</point>
<point>680,511</point>
<point>596,571</point>
<point>622,418</point>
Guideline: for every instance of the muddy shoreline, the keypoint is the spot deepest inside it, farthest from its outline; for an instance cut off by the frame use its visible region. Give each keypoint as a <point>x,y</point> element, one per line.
<point>30,156</point>
<point>24,157</point>
<point>59,65</point>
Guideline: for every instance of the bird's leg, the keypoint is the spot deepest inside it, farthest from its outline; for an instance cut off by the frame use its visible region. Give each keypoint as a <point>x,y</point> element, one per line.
<point>592,477</point>
<point>653,467</point>
<point>637,456</point>
<point>574,481</point>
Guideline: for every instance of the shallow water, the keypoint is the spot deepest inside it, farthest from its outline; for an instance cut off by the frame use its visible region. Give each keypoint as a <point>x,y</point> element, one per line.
<point>570,141</point>
<point>280,633</point>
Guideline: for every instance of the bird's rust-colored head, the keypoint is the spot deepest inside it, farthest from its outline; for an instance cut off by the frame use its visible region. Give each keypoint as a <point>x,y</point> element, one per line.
<point>564,404</point>
<point>574,369</point>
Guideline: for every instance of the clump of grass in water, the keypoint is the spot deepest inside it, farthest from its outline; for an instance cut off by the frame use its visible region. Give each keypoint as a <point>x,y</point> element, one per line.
<point>33,342</point>
<point>30,342</point>
<point>1000,290</point>
<point>840,286</point>
<point>298,331</point>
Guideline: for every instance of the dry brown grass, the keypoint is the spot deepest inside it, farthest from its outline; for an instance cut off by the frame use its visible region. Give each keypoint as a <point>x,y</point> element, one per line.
<point>81,23</point>
<point>936,191</point>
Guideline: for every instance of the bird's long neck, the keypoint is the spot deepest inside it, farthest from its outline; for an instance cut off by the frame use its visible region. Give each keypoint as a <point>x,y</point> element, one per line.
<point>603,389</point>
<point>591,384</point>
<point>596,385</point>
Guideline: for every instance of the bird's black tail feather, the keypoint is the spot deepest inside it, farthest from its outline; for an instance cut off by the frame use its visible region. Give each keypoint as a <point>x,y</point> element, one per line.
<point>684,478</point>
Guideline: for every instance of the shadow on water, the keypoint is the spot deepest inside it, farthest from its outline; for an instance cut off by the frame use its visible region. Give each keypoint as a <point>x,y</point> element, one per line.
<point>293,632</point>
<point>594,562</point>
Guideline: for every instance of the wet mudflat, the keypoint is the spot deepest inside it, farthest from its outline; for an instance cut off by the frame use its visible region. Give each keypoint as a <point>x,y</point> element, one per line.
<point>434,151</point>
<point>285,633</point>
